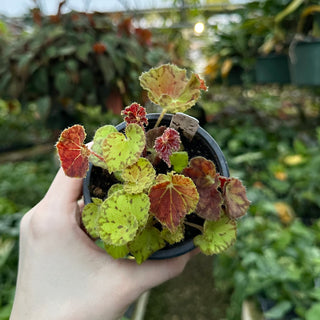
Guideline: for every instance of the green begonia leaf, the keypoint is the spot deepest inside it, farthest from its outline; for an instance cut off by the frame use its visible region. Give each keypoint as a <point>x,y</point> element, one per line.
<point>146,242</point>
<point>117,252</point>
<point>100,135</point>
<point>179,160</point>
<point>90,216</point>
<point>173,237</point>
<point>169,87</point>
<point>114,188</point>
<point>139,176</point>
<point>217,236</point>
<point>121,216</point>
<point>121,151</point>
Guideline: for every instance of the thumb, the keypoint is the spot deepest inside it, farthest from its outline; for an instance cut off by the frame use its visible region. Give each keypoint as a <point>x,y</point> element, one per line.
<point>64,188</point>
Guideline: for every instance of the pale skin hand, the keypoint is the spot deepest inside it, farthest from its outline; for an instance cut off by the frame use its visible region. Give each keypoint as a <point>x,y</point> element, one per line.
<point>64,275</point>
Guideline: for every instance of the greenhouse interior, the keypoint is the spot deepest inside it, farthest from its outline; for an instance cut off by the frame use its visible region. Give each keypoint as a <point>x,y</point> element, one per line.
<point>247,73</point>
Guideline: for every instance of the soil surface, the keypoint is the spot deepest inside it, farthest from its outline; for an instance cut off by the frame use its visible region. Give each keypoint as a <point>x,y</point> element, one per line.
<point>191,296</point>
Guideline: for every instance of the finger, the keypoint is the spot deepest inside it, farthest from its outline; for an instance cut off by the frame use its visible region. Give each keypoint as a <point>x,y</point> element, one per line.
<point>64,188</point>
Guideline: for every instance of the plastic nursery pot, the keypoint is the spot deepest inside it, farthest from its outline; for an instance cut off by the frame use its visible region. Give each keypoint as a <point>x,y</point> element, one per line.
<point>305,63</point>
<point>273,69</point>
<point>202,144</point>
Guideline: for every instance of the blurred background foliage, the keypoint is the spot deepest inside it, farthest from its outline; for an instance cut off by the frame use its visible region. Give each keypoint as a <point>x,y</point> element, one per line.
<point>83,68</point>
<point>270,136</point>
<point>92,59</point>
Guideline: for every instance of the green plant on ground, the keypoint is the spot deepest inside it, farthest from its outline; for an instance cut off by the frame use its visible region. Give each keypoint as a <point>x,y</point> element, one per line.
<point>143,195</point>
<point>275,262</point>
<point>276,256</point>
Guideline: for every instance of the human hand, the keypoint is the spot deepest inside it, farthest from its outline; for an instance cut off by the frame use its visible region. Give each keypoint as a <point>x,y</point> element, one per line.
<point>64,275</point>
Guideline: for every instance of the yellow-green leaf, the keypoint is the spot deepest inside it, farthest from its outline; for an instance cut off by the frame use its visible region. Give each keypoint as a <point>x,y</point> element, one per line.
<point>114,188</point>
<point>121,216</point>
<point>173,237</point>
<point>100,135</point>
<point>179,160</point>
<point>217,236</point>
<point>117,252</point>
<point>169,87</point>
<point>121,151</point>
<point>139,176</point>
<point>90,216</point>
<point>147,242</point>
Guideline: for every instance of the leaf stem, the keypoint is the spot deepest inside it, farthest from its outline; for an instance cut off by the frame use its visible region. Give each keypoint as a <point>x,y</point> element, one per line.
<point>194,225</point>
<point>164,111</point>
<point>97,155</point>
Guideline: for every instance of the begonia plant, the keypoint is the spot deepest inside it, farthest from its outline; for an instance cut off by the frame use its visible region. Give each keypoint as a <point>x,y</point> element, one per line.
<point>145,208</point>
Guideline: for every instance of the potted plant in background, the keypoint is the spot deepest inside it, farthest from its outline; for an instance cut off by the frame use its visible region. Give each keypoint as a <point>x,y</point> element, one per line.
<point>305,48</point>
<point>230,59</point>
<point>160,184</point>
<point>272,65</point>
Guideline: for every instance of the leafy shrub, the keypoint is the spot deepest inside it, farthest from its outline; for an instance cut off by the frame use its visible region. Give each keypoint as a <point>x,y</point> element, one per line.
<point>25,183</point>
<point>24,126</point>
<point>276,262</point>
<point>92,59</point>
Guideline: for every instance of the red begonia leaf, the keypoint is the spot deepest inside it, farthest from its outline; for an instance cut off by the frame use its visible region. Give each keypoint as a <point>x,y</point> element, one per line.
<point>172,198</point>
<point>201,171</point>
<point>135,113</point>
<point>167,143</point>
<point>223,180</point>
<point>236,201</point>
<point>210,204</point>
<point>73,153</point>
<point>202,83</point>
<point>203,174</point>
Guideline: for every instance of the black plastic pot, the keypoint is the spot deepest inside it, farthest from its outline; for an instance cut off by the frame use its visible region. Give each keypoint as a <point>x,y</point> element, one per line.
<point>305,63</point>
<point>273,68</point>
<point>202,145</point>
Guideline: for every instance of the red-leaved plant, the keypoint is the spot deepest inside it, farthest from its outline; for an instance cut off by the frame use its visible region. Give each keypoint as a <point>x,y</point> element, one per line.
<point>145,211</point>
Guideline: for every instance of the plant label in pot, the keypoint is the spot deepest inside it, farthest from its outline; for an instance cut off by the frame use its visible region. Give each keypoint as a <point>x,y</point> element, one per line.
<point>161,190</point>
